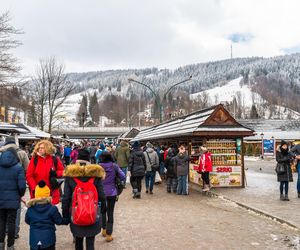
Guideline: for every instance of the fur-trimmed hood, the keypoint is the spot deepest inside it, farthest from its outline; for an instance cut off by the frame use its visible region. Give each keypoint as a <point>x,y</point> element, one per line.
<point>39,201</point>
<point>7,146</point>
<point>92,170</point>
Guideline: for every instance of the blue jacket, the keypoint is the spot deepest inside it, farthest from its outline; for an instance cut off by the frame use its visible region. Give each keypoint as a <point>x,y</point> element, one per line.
<point>12,180</point>
<point>67,151</point>
<point>42,217</point>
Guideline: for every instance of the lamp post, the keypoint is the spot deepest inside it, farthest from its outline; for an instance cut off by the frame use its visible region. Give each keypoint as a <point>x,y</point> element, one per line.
<point>262,144</point>
<point>158,100</point>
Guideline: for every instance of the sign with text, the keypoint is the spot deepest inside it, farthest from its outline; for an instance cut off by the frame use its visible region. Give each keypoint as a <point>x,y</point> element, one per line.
<point>268,146</point>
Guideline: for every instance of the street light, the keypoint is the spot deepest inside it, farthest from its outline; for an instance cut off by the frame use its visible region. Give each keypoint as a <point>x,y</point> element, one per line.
<point>262,144</point>
<point>158,100</point>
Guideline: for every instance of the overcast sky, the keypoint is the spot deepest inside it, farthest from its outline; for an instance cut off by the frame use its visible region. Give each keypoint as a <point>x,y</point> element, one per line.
<point>90,35</point>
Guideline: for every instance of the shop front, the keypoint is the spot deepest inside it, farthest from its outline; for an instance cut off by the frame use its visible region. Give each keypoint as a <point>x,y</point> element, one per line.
<point>214,128</point>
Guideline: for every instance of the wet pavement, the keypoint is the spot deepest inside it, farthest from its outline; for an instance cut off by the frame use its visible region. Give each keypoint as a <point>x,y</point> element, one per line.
<point>262,192</point>
<point>168,221</point>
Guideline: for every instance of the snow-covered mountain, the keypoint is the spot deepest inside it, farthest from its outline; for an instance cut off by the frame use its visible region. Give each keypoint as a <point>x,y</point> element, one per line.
<point>246,98</point>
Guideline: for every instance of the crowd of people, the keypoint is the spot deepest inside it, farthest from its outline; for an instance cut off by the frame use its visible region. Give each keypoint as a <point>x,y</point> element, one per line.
<point>83,178</point>
<point>89,173</point>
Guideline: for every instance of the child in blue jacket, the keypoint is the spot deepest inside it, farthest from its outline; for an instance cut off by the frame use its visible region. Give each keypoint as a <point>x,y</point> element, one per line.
<point>42,217</point>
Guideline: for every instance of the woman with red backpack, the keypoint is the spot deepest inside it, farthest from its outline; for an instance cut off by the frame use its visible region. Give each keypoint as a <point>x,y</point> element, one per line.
<point>83,202</point>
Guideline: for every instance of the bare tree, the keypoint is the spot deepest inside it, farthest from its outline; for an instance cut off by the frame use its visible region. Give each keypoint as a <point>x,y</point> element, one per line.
<point>52,89</point>
<point>9,68</point>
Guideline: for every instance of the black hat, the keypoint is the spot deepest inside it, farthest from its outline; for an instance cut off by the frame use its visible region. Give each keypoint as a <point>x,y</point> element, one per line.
<point>106,157</point>
<point>283,142</point>
<point>136,145</point>
<point>83,154</point>
<point>10,139</point>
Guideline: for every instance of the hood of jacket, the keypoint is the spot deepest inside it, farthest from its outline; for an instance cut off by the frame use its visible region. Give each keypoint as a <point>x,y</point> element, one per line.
<point>124,144</point>
<point>7,146</point>
<point>107,166</point>
<point>8,159</point>
<point>92,170</point>
<point>182,155</point>
<point>39,201</point>
<point>138,153</point>
<point>150,150</point>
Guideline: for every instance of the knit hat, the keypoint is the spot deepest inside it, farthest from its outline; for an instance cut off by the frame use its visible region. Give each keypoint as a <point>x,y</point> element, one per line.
<point>149,145</point>
<point>136,145</point>
<point>102,146</point>
<point>83,154</point>
<point>10,139</point>
<point>42,190</point>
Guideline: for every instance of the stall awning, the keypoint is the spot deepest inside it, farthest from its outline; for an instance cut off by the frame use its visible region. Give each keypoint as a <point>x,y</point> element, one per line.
<point>215,120</point>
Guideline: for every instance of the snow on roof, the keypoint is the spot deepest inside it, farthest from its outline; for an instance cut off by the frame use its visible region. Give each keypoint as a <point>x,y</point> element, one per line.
<point>186,125</point>
<point>37,132</point>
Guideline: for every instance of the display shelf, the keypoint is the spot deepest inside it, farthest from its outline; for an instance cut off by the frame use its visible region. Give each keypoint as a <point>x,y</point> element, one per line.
<point>222,154</point>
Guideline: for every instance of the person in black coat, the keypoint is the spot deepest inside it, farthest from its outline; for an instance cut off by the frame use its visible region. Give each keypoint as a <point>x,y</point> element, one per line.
<point>171,169</point>
<point>137,168</point>
<point>284,158</point>
<point>83,173</point>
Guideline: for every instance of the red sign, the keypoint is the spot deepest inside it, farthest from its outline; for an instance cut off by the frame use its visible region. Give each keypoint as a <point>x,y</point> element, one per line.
<point>224,169</point>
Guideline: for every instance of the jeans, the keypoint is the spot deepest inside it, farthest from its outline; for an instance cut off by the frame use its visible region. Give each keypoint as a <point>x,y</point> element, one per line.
<point>124,169</point>
<point>47,248</point>
<point>89,241</point>
<point>298,182</point>
<point>162,168</point>
<point>108,217</point>
<point>150,177</point>
<point>181,186</point>
<point>8,216</point>
<point>286,187</point>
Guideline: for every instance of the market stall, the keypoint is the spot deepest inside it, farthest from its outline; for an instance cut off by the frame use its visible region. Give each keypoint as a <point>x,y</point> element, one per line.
<point>213,127</point>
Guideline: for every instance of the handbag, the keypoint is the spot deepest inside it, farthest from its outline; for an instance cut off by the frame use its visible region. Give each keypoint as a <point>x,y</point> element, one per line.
<point>153,166</point>
<point>119,184</point>
<point>280,168</point>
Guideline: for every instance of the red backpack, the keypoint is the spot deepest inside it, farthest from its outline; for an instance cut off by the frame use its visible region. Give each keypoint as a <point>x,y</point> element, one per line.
<point>84,203</point>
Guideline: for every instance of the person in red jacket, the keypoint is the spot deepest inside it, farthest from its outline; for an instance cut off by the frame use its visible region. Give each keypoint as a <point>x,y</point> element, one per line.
<point>205,166</point>
<point>42,166</point>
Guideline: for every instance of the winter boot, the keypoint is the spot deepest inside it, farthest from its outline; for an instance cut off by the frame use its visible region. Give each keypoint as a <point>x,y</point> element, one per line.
<point>206,188</point>
<point>298,195</point>
<point>147,191</point>
<point>286,198</point>
<point>135,191</point>
<point>138,195</point>
<point>109,238</point>
<point>103,232</point>
<point>281,197</point>
<point>11,247</point>
<point>2,246</point>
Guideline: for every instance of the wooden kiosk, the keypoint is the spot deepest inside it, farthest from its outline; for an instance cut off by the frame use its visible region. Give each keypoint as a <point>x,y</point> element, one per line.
<point>213,127</point>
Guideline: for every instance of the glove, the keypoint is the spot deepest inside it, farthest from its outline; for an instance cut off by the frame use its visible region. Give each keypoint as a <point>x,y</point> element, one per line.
<point>53,173</point>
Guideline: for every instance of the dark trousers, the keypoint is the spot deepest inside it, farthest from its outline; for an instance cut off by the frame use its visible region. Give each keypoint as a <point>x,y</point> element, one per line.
<point>89,242</point>
<point>67,160</point>
<point>47,248</point>
<point>8,217</point>
<point>205,177</point>
<point>108,217</point>
<point>93,160</point>
<point>172,184</point>
<point>284,184</point>
<point>136,183</point>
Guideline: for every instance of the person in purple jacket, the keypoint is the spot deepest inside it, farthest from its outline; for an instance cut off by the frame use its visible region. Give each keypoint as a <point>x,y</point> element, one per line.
<point>109,185</point>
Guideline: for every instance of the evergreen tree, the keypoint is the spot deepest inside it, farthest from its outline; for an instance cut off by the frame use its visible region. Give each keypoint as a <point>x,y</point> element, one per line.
<point>253,112</point>
<point>94,108</point>
<point>82,111</point>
